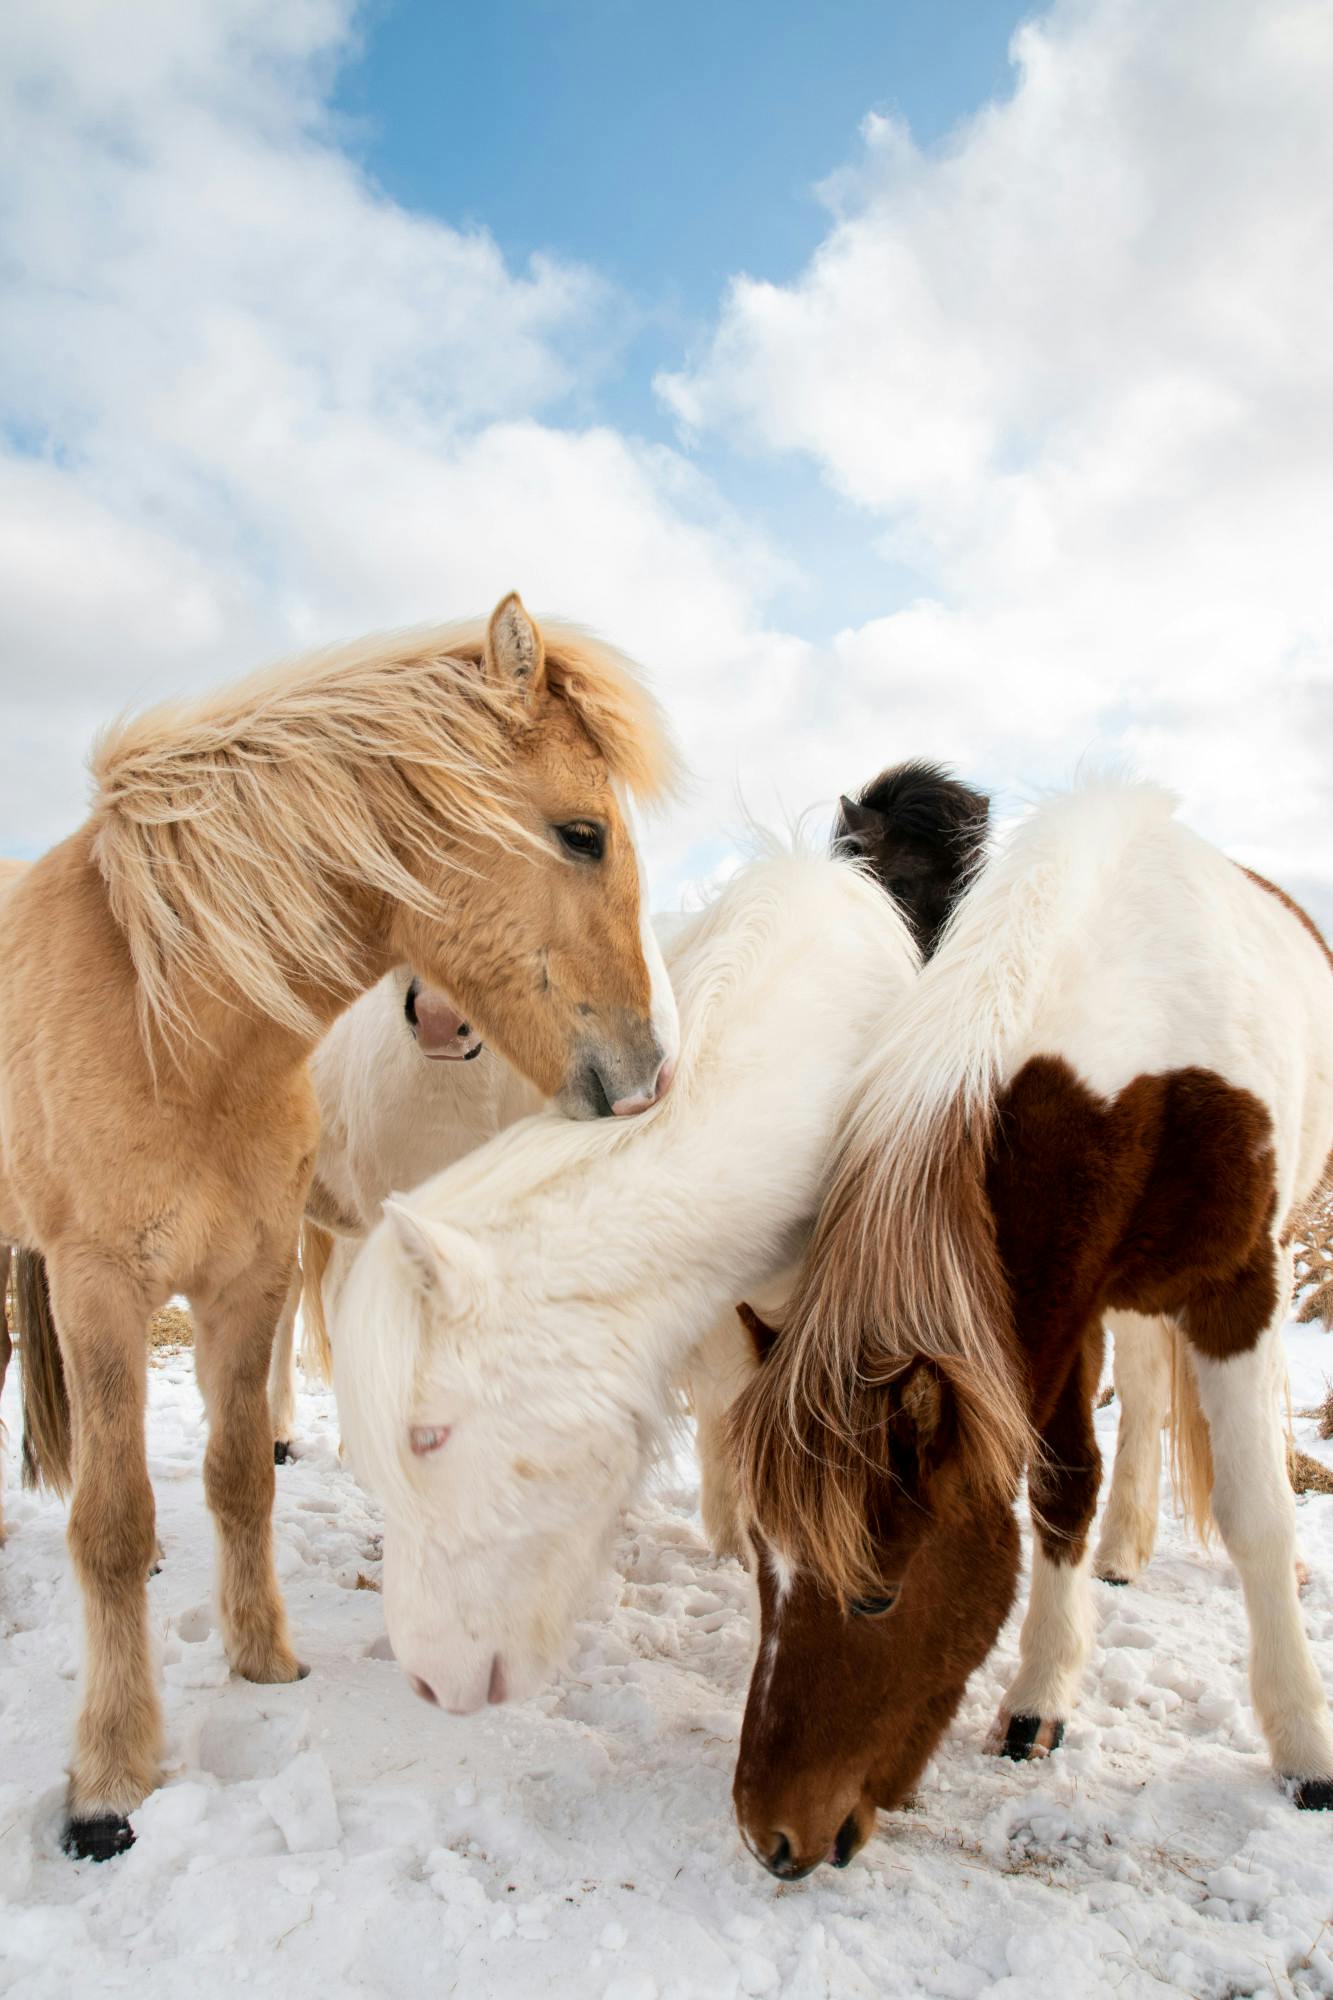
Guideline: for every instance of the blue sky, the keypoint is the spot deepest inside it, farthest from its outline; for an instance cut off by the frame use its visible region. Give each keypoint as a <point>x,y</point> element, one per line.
<point>890,380</point>
<point>669,147</point>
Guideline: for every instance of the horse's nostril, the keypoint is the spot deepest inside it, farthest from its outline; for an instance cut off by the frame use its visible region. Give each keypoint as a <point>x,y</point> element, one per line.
<point>497,1691</point>
<point>424,1689</point>
<point>779,1860</point>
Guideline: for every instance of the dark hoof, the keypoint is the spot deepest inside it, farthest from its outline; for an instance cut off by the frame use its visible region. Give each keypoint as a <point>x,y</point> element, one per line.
<point>1313,1794</point>
<point>97,1839</point>
<point>1021,1739</point>
<point>282,1451</point>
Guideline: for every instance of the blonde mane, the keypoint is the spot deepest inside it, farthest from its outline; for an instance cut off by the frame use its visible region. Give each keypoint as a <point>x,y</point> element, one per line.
<point>903,1264</point>
<point>228,829</point>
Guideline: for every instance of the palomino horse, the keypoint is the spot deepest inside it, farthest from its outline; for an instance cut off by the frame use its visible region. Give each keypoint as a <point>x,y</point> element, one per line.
<point>1112,1087</point>
<point>405,1087</point>
<point>506,1344</point>
<point>451,799</point>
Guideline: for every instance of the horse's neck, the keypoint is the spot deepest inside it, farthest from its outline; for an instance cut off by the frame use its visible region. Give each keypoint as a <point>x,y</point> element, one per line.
<point>700,1211</point>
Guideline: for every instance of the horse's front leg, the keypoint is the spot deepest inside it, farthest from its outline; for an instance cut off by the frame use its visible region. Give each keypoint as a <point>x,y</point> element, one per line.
<point>1057,1630</point>
<point>282,1373</point>
<point>233,1347</point>
<point>1256,1515</point>
<point>102,1321</point>
<point>1143,1391</point>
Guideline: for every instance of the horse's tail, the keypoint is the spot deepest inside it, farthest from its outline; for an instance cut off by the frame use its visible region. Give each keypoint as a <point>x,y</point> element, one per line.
<point>1190,1452</point>
<point>47,1437</point>
<point>316,1347</point>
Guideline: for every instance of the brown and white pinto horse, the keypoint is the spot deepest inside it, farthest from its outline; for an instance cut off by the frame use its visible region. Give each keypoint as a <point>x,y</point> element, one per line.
<point>1112,1088</point>
<point>451,799</point>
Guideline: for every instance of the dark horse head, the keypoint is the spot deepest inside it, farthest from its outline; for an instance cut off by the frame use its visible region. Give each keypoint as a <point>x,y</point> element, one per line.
<point>853,1688</point>
<point>920,832</point>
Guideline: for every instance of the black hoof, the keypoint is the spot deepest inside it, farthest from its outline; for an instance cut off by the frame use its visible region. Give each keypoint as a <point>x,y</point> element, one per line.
<point>1020,1739</point>
<point>282,1451</point>
<point>1313,1794</point>
<point>97,1839</point>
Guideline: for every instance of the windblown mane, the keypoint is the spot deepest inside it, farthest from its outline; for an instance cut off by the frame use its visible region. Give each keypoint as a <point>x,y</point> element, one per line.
<point>226,829</point>
<point>903,1263</point>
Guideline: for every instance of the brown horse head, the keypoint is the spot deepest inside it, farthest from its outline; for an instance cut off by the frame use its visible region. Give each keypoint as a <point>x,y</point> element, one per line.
<point>855,1684</point>
<point>921,834</point>
<point>547,947</point>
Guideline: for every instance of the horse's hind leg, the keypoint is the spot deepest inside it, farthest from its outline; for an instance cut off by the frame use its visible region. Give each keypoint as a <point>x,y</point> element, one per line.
<point>282,1373</point>
<point>101,1321</point>
<point>1142,1361</point>
<point>718,1370</point>
<point>1256,1515</point>
<point>1057,1630</point>
<point>233,1346</point>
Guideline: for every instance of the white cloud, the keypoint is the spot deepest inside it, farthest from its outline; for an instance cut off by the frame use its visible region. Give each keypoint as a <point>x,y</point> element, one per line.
<point>251,403</point>
<point>1074,369</point>
<point>1078,366</point>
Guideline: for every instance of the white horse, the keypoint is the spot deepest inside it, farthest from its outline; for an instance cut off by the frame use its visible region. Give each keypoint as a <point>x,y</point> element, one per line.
<point>506,1342</point>
<point>405,1088</point>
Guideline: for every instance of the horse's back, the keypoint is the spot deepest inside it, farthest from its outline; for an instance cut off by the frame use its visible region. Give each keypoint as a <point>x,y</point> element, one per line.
<point>1187,962</point>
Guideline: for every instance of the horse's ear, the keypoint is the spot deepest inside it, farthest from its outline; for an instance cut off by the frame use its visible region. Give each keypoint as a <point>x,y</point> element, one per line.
<point>446,1263</point>
<point>762,1335</point>
<point>514,659</point>
<point>856,820</point>
<point>926,1408</point>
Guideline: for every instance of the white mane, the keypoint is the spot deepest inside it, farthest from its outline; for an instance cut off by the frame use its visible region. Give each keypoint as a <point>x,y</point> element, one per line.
<point>537,1301</point>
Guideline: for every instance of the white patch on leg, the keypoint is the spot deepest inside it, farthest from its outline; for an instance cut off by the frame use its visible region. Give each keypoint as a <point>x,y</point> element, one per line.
<point>1055,1641</point>
<point>1256,1516</point>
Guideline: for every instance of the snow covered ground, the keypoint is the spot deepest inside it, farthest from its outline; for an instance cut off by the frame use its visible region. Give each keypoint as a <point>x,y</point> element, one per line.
<point>338,1837</point>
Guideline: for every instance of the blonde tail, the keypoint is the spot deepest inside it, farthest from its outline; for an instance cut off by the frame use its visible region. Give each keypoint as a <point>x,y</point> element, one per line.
<point>316,1347</point>
<point>1191,1449</point>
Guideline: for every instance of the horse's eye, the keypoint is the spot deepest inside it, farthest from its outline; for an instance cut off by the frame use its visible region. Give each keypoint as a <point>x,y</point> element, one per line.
<point>872,1607</point>
<point>584,838</point>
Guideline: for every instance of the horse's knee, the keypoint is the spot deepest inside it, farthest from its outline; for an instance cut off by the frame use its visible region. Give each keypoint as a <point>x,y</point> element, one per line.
<point>239,1485</point>
<point>112,1532</point>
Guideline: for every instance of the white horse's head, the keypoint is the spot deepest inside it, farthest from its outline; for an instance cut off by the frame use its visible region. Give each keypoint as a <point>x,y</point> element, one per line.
<point>499,1444</point>
<point>506,1342</point>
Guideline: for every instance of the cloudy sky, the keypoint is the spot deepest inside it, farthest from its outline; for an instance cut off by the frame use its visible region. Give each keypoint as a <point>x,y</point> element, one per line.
<point>892,377</point>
